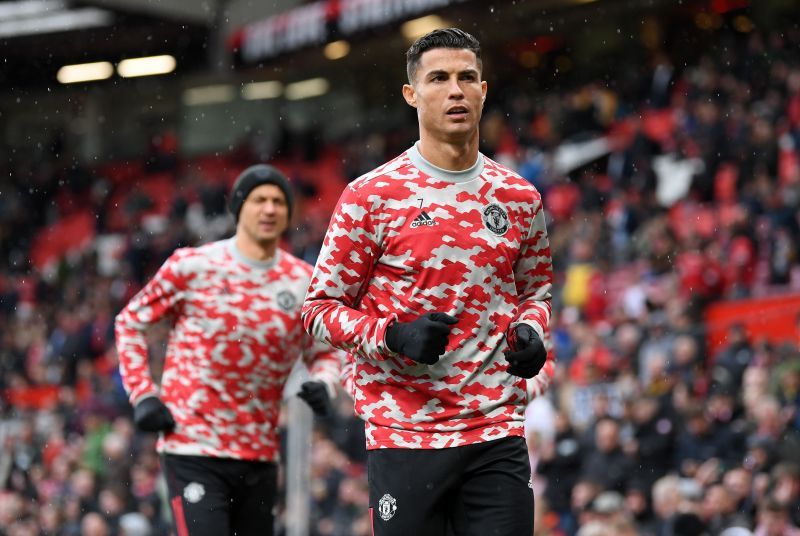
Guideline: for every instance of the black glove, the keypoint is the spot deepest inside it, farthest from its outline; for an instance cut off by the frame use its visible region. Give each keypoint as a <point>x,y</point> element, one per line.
<point>151,415</point>
<point>315,395</point>
<point>424,340</point>
<point>527,353</point>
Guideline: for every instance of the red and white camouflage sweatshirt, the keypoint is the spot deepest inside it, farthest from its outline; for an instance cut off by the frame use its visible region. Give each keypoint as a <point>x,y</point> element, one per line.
<point>236,334</point>
<point>407,239</point>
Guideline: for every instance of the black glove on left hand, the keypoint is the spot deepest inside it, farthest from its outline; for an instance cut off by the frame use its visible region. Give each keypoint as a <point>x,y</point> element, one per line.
<point>152,415</point>
<point>315,394</point>
<point>424,339</point>
<point>527,353</point>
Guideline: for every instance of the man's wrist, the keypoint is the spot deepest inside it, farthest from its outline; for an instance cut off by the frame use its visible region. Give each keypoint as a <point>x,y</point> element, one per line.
<point>138,400</point>
<point>390,343</point>
<point>533,325</point>
<point>330,389</point>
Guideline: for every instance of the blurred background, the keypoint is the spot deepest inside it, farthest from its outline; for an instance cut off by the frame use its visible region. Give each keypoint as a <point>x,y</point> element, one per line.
<point>663,136</point>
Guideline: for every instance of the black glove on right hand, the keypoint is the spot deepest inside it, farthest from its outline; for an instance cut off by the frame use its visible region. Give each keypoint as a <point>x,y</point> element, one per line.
<point>526,355</point>
<point>424,340</point>
<point>151,415</point>
<point>315,394</point>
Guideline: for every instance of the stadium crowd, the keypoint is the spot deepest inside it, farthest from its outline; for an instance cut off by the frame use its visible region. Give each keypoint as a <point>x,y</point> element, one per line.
<point>646,429</point>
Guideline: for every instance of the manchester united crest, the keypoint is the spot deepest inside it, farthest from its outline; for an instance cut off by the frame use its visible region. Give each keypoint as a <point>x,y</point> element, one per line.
<point>387,506</point>
<point>495,219</point>
<point>286,301</point>
<point>194,492</point>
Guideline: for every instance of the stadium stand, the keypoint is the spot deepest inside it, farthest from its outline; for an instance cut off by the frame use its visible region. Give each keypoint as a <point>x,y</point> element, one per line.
<point>674,215</point>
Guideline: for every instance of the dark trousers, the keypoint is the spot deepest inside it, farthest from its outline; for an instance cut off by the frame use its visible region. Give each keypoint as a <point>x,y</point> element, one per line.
<point>220,496</point>
<point>474,490</point>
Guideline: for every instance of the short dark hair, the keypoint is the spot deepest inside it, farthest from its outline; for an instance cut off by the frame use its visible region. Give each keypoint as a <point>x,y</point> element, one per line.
<point>441,38</point>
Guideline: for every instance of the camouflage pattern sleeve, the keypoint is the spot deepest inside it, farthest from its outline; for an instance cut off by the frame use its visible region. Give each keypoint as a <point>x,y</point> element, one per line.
<point>349,252</point>
<point>157,299</point>
<point>324,363</point>
<point>347,377</point>
<point>534,280</point>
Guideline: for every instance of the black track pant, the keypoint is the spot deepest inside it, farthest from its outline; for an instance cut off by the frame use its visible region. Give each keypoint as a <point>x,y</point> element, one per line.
<point>474,490</point>
<point>219,496</point>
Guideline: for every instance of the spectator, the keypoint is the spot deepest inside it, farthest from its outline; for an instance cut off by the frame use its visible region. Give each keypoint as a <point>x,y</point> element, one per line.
<point>734,358</point>
<point>699,441</point>
<point>638,507</point>
<point>773,520</point>
<point>560,463</point>
<point>93,524</point>
<point>666,501</point>
<point>718,510</point>
<point>653,441</point>
<point>607,464</point>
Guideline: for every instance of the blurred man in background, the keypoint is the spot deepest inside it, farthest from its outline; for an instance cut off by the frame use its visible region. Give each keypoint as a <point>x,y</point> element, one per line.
<point>234,305</point>
<point>435,266</point>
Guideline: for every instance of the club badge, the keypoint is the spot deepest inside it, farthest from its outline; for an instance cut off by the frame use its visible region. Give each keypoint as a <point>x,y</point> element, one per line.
<point>194,492</point>
<point>495,219</point>
<point>387,506</point>
<point>286,301</point>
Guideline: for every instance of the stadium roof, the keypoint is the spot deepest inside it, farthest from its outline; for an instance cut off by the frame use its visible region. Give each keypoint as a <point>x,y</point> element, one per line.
<point>38,37</point>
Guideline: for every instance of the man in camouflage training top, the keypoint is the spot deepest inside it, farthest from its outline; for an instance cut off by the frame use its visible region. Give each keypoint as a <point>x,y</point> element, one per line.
<point>236,333</point>
<point>435,276</point>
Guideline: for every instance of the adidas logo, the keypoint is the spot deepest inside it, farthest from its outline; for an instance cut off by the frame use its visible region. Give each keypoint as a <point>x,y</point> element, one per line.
<point>423,220</point>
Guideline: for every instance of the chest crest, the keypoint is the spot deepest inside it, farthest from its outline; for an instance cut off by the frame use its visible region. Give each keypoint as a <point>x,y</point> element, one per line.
<point>286,301</point>
<point>495,218</point>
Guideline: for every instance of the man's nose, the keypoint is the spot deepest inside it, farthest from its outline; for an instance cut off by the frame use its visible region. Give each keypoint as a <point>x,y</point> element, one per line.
<point>454,88</point>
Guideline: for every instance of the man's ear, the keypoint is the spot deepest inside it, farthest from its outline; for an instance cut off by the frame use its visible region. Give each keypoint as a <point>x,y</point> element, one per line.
<point>410,94</point>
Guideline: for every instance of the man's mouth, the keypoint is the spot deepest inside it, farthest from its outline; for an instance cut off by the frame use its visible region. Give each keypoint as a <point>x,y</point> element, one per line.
<point>457,111</point>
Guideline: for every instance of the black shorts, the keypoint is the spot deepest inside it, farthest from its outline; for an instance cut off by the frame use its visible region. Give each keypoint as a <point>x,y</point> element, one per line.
<point>475,490</point>
<point>220,496</point>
